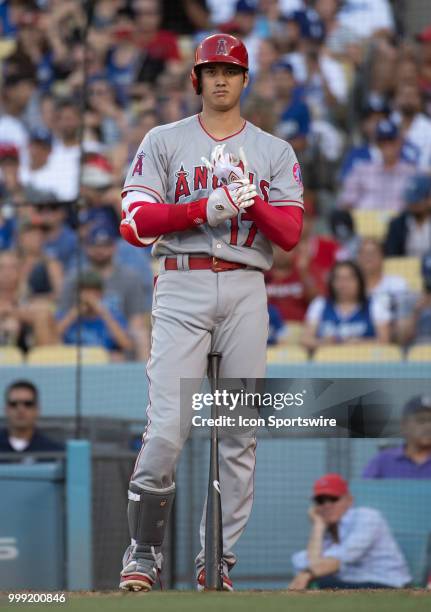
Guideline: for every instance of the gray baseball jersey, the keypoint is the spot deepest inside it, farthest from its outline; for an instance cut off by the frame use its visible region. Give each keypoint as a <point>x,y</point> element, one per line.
<point>168,166</point>
<point>197,311</point>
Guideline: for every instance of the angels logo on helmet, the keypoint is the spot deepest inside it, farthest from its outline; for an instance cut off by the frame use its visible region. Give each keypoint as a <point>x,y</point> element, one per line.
<point>221,47</point>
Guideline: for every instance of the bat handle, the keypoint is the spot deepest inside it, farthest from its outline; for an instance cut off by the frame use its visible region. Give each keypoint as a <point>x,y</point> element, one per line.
<point>214,521</point>
<point>214,359</point>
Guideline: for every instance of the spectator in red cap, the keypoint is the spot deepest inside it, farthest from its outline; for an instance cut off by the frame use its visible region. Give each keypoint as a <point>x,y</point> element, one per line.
<point>349,547</point>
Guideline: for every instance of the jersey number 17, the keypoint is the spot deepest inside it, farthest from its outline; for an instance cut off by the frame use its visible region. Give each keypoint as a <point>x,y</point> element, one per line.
<point>235,229</point>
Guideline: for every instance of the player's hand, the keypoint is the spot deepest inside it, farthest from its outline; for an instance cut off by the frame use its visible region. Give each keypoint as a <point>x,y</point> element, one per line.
<point>226,202</point>
<point>246,194</point>
<point>313,514</point>
<point>225,166</point>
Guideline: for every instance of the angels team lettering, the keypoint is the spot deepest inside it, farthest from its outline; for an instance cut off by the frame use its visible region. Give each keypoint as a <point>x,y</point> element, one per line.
<point>187,182</point>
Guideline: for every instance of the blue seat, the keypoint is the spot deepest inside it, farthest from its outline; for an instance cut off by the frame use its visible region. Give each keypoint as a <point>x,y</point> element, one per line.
<point>406,506</point>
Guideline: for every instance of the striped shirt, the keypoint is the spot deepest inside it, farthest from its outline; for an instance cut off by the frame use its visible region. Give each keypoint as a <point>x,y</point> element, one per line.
<point>371,186</point>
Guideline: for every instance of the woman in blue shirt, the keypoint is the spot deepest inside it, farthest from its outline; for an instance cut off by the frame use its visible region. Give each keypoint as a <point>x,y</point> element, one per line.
<point>347,315</point>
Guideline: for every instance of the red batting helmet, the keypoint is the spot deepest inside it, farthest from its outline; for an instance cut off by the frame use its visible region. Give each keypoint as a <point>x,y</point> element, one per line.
<point>219,48</point>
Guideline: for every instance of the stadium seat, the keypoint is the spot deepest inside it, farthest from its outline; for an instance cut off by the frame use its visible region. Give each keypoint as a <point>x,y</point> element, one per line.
<point>407,267</point>
<point>421,352</point>
<point>287,354</point>
<point>62,355</point>
<point>359,353</point>
<point>372,223</point>
<point>10,356</point>
<point>293,335</point>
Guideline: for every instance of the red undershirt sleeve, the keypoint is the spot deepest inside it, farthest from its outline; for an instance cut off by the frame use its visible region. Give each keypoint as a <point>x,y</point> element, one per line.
<point>153,219</point>
<point>280,224</point>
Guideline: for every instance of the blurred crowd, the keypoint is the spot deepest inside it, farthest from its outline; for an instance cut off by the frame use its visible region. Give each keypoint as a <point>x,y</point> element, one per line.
<point>81,85</point>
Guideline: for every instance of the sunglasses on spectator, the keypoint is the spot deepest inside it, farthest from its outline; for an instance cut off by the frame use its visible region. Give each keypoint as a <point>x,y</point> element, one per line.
<point>26,403</point>
<point>325,499</point>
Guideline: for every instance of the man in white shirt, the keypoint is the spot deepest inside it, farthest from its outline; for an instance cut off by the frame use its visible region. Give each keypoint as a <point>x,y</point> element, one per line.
<point>349,547</point>
<point>40,173</point>
<point>65,156</point>
<point>391,288</point>
<point>367,17</point>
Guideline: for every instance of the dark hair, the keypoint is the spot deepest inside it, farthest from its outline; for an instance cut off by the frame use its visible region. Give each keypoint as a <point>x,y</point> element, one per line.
<point>22,384</point>
<point>353,266</point>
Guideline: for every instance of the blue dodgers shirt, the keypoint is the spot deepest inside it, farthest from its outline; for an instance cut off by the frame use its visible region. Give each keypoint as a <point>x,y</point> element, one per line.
<point>94,331</point>
<point>358,324</point>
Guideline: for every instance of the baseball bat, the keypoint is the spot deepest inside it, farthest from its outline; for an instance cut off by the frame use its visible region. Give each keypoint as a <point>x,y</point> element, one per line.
<point>214,521</point>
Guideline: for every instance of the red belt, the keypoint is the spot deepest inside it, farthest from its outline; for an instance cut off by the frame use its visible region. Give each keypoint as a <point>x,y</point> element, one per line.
<point>207,263</point>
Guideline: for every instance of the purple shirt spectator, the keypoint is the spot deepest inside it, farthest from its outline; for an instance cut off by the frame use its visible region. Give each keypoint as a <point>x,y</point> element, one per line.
<point>412,459</point>
<point>394,463</point>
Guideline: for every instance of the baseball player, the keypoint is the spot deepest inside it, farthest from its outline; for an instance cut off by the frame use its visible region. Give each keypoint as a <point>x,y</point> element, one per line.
<point>209,192</point>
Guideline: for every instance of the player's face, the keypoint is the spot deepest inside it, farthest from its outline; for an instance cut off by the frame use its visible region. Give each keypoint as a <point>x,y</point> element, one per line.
<point>222,85</point>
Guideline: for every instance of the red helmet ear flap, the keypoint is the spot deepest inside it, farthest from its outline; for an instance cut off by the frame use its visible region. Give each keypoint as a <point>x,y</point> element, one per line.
<point>194,79</point>
<point>196,82</point>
